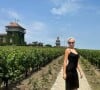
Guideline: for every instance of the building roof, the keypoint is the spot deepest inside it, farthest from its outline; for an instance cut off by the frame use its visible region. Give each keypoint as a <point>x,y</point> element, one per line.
<point>14,24</point>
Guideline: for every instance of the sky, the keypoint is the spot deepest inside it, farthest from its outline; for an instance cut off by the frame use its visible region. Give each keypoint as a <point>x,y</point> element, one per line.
<point>44,20</point>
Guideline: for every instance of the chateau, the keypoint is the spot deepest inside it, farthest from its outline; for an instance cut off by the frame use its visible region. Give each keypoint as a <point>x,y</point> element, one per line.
<point>14,35</point>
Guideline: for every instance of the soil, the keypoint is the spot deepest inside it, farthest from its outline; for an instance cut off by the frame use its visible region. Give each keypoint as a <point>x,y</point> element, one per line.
<point>92,74</point>
<point>42,79</point>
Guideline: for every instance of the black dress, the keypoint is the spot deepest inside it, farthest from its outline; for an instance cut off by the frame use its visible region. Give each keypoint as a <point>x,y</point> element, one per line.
<point>72,80</point>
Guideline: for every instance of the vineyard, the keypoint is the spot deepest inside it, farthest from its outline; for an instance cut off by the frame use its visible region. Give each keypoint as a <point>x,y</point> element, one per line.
<point>93,56</point>
<point>16,62</point>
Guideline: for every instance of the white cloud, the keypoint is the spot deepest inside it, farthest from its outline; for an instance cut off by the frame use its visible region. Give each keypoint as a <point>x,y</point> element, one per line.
<point>63,7</point>
<point>2,26</point>
<point>57,2</point>
<point>38,25</point>
<point>5,16</point>
<point>36,31</point>
<point>11,13</point>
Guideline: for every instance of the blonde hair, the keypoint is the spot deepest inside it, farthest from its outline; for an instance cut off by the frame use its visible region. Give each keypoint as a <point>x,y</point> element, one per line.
<point>70,39</point>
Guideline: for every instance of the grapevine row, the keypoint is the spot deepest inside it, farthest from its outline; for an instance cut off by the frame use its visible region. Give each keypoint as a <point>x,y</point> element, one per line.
<point>16,61</point>
<point>93,56</point>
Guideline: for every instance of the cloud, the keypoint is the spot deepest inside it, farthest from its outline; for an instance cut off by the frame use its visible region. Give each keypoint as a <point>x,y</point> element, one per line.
<point>57,2</point>
<point>63,7</point>
<point>38,25</point>
<point>3,23</point>
<point>7,14</point>
<point>36,31</point>
<point>11,13</point>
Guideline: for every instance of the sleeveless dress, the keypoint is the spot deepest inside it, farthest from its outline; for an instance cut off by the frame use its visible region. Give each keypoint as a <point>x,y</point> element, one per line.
<point>72,80</point>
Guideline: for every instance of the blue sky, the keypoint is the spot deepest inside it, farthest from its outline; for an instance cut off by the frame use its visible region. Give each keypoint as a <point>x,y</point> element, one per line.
<point>44,20</point>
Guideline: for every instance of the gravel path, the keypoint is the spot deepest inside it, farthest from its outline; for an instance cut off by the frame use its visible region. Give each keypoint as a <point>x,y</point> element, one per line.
<point>60,82</point>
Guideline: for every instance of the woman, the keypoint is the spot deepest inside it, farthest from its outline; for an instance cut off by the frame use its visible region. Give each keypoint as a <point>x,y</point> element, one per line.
<point>70,66</point>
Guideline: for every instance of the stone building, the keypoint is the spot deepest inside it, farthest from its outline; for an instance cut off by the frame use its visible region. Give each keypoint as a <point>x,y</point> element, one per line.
<point>14,35</point>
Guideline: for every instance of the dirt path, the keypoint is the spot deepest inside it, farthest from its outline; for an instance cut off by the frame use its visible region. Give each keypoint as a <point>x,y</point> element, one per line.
<point>60,83</point>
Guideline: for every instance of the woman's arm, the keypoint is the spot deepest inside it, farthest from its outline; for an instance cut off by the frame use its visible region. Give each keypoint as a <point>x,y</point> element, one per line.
<point>65,62</point>
<point>79,69</point>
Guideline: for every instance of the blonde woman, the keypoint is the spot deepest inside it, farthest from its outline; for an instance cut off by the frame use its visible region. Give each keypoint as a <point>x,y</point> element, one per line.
<point>70,66</point>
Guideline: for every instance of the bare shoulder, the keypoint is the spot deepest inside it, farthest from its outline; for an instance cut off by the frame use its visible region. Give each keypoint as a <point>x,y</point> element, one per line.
<point>67,50</point>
